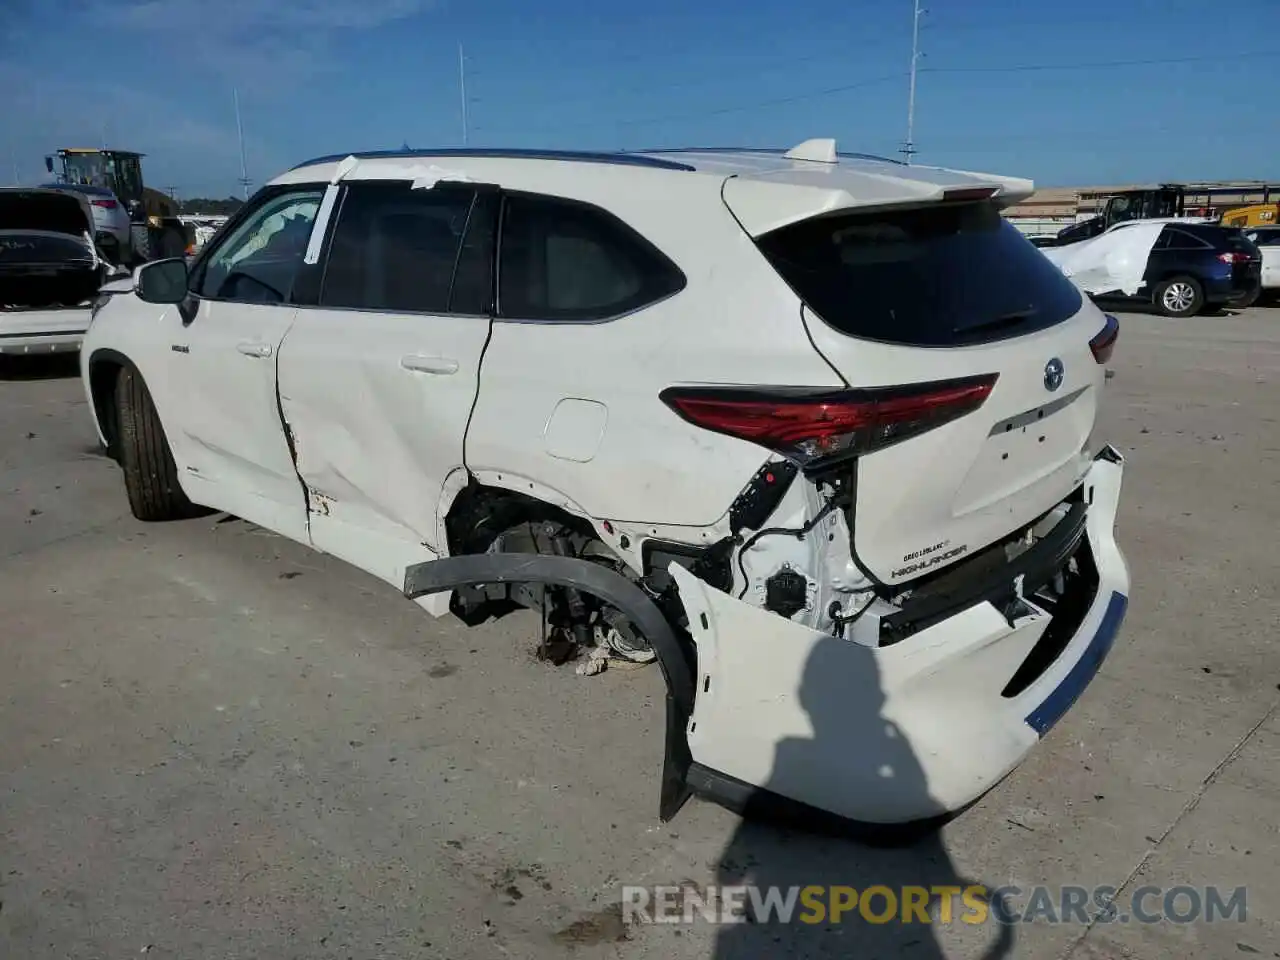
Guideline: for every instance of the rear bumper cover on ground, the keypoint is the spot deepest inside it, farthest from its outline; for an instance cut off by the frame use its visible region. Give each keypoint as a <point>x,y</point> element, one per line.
<point>876,735</point>
<point>896,734</point>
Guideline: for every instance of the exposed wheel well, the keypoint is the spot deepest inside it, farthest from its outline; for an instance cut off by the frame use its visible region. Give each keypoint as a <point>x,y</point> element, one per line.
<point>479,513</point>
<point>104,373</point>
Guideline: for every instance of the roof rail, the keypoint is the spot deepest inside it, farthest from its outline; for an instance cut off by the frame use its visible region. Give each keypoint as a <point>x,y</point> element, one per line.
<point>772,151</point>
<point>485,153</point>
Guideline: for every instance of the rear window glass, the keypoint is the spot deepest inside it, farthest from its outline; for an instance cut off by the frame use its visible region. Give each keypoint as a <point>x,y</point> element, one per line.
<point>937,276</point>
<point>564,260</point>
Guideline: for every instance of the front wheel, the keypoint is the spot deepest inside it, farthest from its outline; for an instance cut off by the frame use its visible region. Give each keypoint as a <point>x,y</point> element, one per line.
<point>139,243</point>
<point>1179,297</point>
<point>150,475</point>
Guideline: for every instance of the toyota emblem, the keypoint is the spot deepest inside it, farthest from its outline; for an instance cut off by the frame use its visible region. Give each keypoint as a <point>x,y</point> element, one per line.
<point>1053,374</point>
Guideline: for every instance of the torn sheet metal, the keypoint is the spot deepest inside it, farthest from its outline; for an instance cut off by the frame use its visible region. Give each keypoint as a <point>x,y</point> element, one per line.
<point>1115,261</point>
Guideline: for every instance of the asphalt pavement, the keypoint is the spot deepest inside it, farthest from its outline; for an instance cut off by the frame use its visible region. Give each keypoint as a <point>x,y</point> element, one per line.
<point>217,743</point>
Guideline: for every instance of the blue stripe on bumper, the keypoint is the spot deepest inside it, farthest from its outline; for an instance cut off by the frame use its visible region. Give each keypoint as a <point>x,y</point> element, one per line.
<point>1043,717</point>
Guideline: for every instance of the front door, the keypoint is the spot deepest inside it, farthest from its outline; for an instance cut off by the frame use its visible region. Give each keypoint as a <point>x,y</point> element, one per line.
<point>377,381</point>
<point>229,442</point>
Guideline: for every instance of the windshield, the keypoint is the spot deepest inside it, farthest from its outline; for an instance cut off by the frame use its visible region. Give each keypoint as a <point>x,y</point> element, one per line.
<point>89,168</point>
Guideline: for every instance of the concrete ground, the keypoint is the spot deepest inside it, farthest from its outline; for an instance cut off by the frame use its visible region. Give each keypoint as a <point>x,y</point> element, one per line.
<point>216,743</point>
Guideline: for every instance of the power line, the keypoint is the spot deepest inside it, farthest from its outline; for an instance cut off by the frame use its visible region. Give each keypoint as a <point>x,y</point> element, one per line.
<point>1098,65</point>
<point>742,107</point>
<point>779,101</point>
<point>1093,24</point>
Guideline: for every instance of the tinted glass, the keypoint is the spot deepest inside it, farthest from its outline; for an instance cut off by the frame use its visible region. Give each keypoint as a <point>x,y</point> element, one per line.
<point>562,260</point>
<point>933,276</point>
<point>394,248</point>
<point>473,279</point>
<point>1179,239</point>
<point>257,262</point>
<point>1265,238</point>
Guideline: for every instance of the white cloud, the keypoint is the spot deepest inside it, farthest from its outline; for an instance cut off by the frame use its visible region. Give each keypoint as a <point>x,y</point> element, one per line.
<point>268,49</point>
<point>273,45</point>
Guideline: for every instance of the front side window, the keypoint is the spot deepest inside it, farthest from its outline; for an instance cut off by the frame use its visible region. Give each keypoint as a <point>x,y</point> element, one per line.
<point>394,248</point>
<point>258,261</point>
<point>564,260</point>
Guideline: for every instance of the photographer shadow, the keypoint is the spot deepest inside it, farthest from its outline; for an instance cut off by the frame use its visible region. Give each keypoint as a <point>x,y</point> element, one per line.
<point>779,843</point>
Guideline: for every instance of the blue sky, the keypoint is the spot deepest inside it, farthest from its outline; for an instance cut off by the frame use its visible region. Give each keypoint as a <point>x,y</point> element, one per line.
<point>323,76</point>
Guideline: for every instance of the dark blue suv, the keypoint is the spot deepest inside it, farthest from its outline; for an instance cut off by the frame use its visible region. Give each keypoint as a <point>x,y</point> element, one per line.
<point>1198,266</point>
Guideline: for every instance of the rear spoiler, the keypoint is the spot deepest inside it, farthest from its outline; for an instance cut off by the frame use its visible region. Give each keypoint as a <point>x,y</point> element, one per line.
<point>766,202</point>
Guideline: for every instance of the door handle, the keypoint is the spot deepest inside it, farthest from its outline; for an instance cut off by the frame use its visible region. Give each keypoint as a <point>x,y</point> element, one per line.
<point>420,364</point>
<point>261,350</point>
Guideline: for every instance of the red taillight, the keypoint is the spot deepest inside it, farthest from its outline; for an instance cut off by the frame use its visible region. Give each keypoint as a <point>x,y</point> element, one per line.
<point>1234,257</point>
<point>814,426</point>
<point>1105,341</point>
<point>104,204</point>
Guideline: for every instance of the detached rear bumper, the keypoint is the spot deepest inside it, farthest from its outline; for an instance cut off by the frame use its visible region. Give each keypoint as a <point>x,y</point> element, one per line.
<point>901,733</point>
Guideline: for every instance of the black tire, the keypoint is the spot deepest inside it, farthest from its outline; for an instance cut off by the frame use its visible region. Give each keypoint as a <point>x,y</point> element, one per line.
<point>169,243</point>
<point>150,475</point>
<point>1179,297</point>
<point>1248,300</point>
<point>140,241</point>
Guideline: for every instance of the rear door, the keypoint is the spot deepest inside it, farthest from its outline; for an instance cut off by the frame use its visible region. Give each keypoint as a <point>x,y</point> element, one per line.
<point>937,293</point>
<point>377,380</point>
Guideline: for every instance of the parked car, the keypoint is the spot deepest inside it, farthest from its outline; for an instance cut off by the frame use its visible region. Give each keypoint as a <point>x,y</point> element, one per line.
<point>811,429</point>
<point>110,219</point>
<point>50,270</point>
<point>1199,266</point>
<point>1267,240</point>
<point>1181,266</point>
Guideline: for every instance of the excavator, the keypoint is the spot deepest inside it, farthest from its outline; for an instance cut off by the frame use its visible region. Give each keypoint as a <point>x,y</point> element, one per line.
<point>1144,203</point>
<point>1254,215</point>
<point>155,232</point>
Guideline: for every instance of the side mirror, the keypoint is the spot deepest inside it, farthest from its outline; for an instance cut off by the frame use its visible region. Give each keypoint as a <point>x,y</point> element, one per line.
<point>162,281</point>
<point>48,164</point>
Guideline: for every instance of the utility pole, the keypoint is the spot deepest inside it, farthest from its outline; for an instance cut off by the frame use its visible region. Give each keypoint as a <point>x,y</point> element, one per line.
<point>13,158</point>
<point>462,90</point>
<point>244,169</point>
<point>909,147</point>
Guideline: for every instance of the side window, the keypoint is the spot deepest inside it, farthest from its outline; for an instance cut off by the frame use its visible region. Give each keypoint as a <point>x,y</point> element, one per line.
<point>394,248</point>
<point>473,279</point>
<point>1181,240</point>
<point>256,262</point>
<point>564,260</point>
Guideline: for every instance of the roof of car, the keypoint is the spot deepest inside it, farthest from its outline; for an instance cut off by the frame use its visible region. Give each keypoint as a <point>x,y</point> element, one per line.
<point>80,188</point>
<point>765,188</point>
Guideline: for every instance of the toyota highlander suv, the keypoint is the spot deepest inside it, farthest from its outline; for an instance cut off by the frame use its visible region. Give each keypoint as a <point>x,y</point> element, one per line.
<point>810,429</point>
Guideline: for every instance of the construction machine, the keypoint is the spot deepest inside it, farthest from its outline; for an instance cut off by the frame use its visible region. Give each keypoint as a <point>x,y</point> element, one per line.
<point>155,230</point>
<point>1254,215</point>
<point>1145,203</point>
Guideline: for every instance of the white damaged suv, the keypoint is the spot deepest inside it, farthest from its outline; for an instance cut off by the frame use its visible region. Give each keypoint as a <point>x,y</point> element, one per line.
<point>812,429</point>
